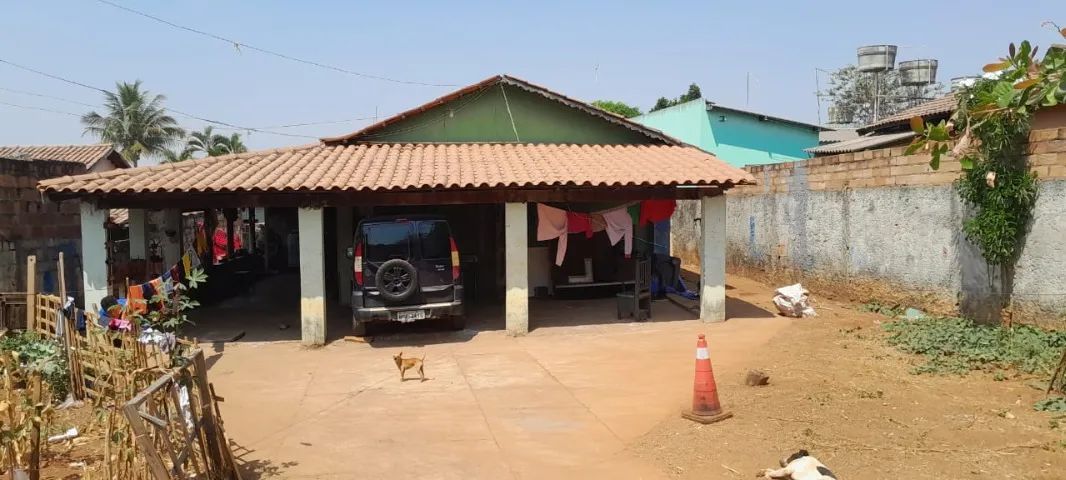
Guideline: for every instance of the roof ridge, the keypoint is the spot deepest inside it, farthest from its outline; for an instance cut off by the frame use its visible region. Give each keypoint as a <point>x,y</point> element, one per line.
<point>513,81</point>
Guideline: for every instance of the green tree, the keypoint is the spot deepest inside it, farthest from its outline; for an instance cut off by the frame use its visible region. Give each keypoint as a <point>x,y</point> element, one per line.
<point>617,108</point>
<point>662,103</point>
<point>853,93</point>
<point>693,93</point>
<point>207,142</point>
<point>212,144</point>
<point>172,156</point>
<point>235,145</point>
<point>135,121</point>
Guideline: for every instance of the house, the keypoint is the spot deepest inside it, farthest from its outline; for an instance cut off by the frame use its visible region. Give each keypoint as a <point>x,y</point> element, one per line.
<point>891,131</point>
<point>737,136</point>
<point>483,156</point>
<point>30,224</point>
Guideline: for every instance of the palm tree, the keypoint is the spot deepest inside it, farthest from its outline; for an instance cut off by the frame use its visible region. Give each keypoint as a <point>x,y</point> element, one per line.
<point>173,156</point>
<point>235,144</point>
<point>207,142</point>
<point>134,121</point>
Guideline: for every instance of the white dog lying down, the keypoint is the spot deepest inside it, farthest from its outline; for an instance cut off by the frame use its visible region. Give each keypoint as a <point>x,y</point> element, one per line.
<point>799,466</point>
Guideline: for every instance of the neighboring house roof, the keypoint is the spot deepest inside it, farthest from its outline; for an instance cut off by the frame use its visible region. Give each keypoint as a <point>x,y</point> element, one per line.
<point>88,155</point>
<point>861,143</point>
<point>393,167</point>
<point>762,116</point>
<point>940,107</point>
<point>838,135</point>
<point>511,81</point>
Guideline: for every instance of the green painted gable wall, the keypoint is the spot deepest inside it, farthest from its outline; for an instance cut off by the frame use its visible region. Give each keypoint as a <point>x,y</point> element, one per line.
<point>482,117</point>
<point>737,138</point>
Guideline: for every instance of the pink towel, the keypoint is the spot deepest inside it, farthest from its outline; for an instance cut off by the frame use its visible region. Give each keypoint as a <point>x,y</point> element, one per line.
<point>619,226</point>
<point>551,223</point>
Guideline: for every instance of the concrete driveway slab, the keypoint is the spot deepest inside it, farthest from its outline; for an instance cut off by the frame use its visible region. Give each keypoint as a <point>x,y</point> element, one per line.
<point>563,402</point>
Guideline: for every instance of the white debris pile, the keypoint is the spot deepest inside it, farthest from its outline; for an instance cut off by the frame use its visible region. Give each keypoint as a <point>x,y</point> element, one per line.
<point>794,301</point>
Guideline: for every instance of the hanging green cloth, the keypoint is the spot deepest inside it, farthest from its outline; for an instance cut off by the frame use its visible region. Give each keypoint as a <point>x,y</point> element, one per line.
<point>634,213</point>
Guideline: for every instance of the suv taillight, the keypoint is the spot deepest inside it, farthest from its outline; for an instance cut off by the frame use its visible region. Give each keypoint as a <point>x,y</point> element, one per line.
<point>358,268</point>
<point>455,259</point>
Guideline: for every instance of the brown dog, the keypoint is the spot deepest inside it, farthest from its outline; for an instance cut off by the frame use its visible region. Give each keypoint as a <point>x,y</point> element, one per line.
<point>405,364</point>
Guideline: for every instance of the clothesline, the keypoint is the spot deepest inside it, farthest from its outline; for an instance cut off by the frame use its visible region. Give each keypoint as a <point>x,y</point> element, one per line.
<point>556,223</point>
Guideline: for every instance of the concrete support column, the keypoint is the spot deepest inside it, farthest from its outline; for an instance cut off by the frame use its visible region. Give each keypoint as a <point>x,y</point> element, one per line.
<point>93,254</point>
<point>312,276</point>
<point>138,226</point>
<point>170,243</point>
<point>516,248</point>
<point>712,259</point>
<point>345,239</point>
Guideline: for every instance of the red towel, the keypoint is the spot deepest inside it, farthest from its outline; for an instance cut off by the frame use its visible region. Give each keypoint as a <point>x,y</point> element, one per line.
<point>656,210</point>
<point>578,223</point>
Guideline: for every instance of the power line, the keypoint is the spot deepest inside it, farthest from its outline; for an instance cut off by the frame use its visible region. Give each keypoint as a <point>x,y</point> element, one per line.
<point>178,112</point>
<point>239,45</point>
<point>90,105</point>
<point>41,95</point>
<point>39,109</point>
<point>326,122</point>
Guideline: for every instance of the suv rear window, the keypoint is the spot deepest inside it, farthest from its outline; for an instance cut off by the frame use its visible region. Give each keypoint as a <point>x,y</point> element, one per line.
<point>385,241</point>
<point>435,239</point>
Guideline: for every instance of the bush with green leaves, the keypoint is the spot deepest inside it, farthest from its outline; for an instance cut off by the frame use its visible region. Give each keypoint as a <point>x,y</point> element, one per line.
<point>988,134</point>
<point>170,313</point>
<point>957,345</point>
<point>39,354</point>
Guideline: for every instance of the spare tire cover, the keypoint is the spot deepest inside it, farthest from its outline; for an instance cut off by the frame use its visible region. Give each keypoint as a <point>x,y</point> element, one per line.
<point>396,280</point>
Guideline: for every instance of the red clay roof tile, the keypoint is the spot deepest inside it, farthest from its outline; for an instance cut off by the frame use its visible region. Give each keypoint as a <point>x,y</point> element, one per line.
<point>378,167</point>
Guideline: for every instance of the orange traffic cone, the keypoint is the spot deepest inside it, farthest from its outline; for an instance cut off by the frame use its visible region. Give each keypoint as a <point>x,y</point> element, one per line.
<point>705,406</point>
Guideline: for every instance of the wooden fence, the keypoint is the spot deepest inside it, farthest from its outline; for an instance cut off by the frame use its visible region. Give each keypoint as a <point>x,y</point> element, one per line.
<point>175,420</point>
<point>178,428</point>
<point>96,358</point>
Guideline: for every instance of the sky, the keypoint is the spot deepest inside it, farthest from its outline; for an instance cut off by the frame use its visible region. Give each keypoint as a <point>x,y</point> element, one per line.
<point>629,51</point>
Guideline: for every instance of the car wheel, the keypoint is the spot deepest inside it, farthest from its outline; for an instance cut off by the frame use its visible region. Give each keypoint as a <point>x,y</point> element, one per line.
<point>396,280</point>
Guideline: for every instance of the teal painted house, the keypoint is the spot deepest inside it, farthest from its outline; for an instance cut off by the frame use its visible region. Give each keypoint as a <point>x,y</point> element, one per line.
<point>739,137</point>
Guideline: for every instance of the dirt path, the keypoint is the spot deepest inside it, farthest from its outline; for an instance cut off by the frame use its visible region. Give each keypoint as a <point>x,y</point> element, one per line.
<point>839,392</point>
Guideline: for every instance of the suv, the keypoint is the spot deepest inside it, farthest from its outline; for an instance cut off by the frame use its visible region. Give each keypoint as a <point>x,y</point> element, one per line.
<point>406,268</point>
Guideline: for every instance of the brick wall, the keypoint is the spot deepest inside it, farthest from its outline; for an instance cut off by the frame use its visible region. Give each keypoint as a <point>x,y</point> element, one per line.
<point>881,225</point>
<point>890,167</point>
<point>33,225</point>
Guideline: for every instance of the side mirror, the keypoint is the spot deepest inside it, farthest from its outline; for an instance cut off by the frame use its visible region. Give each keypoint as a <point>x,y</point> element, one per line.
<point>350,253</point>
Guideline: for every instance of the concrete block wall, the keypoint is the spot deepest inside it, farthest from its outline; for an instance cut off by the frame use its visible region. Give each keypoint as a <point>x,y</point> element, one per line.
<point>33,225</point>
<point>881,225</point>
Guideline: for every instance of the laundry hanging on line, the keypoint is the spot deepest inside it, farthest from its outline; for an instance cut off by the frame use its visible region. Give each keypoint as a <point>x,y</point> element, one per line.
<point>135,299</point>
<point>655,211</point>
<point>551,224</point>
<point>555,223</point>
<point>620,227</point>
<point>579,223</point>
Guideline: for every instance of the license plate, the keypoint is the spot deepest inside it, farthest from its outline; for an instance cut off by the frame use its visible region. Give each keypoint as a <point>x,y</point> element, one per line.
<point>410,315</point>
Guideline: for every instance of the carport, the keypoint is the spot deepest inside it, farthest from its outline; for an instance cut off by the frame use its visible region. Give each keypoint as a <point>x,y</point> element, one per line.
<point>484,156</point>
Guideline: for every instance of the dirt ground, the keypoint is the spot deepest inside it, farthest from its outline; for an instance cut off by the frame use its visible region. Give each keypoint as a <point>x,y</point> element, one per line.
<point>586,396</point>
<point>838,391</point>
